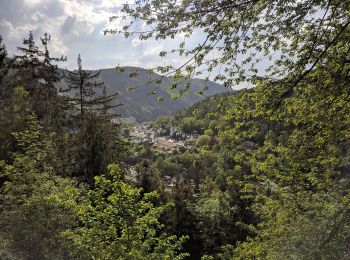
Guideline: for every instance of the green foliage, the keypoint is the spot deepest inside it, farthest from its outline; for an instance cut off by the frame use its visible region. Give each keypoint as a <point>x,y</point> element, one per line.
<point>36,72</point>
<point>3,65</point>
<point>212,215</point>
<point>83,87</point>
<point>286,38</point>
<point>36,204</point>
<point>281,171</point>
<point>203,140</point>
<point>14,117</point>
<point>96,144</point>
<point>191,125</point>
<point>119,223</point>
<point>147,178</point>
<point>299,179</point>
<point>270,180</point>
<point>168,166</point>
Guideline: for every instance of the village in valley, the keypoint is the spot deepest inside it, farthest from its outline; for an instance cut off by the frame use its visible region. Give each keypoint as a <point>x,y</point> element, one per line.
<point>170,139</point>
<point>166,140</point>
<point>162,139</point>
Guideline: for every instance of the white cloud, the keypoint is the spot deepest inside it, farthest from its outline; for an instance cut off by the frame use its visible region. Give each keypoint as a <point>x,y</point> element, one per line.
<point>13,32</point>
<point>153,51</point>
<point>136,42</point>
<point>77,26</point>
<point>32,2</point>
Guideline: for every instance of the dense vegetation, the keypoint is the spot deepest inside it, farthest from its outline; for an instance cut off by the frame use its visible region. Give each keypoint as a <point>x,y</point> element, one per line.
<point>295,121</point>
<point>61,195</point>
<point>269,178</point>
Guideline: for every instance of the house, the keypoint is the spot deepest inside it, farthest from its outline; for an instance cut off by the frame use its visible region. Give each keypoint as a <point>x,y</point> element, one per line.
<point>124,120</point>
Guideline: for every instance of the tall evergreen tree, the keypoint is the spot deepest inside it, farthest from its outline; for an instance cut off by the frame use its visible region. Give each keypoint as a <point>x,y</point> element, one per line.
<point>96,144</point>
<point>83,85</point>
<point>147,178</point>
<point>5,63</point>
<point>33,69</point>
<point>3,55</point>
<point>96,139</point>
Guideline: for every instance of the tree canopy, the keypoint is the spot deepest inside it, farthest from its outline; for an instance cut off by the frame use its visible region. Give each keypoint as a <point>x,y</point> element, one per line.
<point>274,40</point>
<point>256,174</point>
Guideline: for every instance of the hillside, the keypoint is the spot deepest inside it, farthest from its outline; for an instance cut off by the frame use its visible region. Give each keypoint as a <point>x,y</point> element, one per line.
<point>135,97</point>
<point>203,115</point>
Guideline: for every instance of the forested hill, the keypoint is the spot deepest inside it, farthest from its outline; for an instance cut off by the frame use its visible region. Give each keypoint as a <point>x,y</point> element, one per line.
<point>134,93</point>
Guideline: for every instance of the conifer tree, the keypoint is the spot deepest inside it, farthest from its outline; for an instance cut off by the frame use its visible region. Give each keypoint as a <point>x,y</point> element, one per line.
<point>5,63</point>
<point>3,55</point>
<point>84,85</point>
<point>96,139</point>
<point>96,144</point>
<point>34,70</point>
<point>147,177</point>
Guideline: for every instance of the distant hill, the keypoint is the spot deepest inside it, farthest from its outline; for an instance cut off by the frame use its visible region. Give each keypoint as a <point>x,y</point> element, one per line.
<point>134,93</point>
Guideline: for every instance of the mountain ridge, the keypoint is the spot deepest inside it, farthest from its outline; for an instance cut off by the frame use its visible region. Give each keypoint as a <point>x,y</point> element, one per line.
<point>134,92</point>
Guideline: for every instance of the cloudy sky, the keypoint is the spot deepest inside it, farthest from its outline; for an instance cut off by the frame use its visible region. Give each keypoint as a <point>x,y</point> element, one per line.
<point>76,26</point>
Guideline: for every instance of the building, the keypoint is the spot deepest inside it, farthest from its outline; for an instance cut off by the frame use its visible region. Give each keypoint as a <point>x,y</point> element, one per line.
<point>124,120</point>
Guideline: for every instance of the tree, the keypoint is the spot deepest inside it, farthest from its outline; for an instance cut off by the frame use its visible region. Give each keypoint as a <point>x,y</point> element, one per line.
<point>3,56</point>
<point>96,142</point>
<point>300,186</point>
<point>118,223</point>
<point>191,124</point>
<point>33,69</point>
<point>203,140</point>
<point>147,177</point>
<point>15,116</point>
<point>212,218</point>
<point>4,67</point>
<point>294,36</point>
<point>36,204</point>
<point>83,85</point>
<point>179,219</point>
<point>95,145</point>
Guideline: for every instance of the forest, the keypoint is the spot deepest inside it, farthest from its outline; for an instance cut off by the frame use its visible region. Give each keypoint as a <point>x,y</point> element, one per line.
<point>267,178</point>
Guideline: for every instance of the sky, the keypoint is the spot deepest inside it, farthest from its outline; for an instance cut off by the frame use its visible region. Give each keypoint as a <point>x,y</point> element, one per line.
<point>76,26</point>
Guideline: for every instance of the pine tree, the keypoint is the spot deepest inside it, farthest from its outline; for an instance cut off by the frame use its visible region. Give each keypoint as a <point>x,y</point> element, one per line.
<point>5,63</point>
<point>83,85</point>
<point>34,70</point>
<point>96,138</point>
<point>96,144</point>
<point>147,177</point>
<point>3,55</point>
